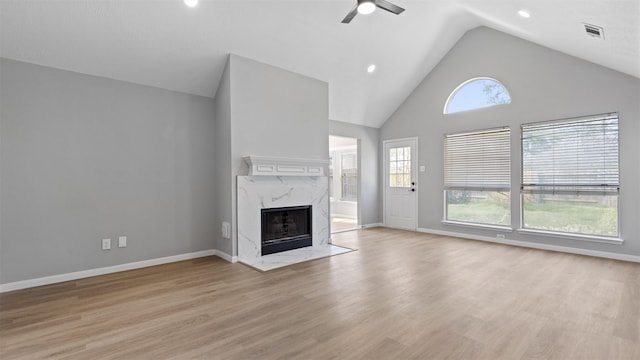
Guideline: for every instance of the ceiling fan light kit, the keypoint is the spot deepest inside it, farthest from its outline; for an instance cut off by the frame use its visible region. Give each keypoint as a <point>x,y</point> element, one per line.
<point>368,6</point>
<point>191,3</point>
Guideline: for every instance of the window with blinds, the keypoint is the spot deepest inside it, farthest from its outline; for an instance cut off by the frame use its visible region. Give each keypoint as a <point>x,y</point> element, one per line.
<point>477,177</point>
<point>570,175</point>
<point>478,160</point>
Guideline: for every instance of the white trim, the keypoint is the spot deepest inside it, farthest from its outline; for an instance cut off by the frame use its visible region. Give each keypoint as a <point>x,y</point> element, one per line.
<point>344,216</point>
<point>564,249</point>
<point>17,285</point>
<point>358,148</point>
<point>345,230</point>
<point>477,225</point>
<point>592,238</point>
<point>372,225</point>
<point>279,166</point>
<point>225,256</point>
<point>385,178</point>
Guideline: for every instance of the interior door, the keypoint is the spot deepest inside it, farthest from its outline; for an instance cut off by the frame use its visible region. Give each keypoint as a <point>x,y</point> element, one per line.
<point>400,184</point>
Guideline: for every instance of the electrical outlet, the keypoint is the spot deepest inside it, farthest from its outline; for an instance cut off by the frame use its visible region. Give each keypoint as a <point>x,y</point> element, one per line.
<point>500,236</point>
<point>122,241</point>
<point>106,244</point>
<point>226,230</point>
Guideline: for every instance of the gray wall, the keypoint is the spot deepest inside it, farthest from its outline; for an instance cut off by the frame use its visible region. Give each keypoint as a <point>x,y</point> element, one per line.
<point>272,112</point>
<point>84,158</point>
<point>544,85</point>
<point>370,202</point>
<point>223,176</point>
<point>277,113</point>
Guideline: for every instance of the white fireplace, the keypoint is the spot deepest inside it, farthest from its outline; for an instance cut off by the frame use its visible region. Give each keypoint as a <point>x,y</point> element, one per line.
<point>281,183</point>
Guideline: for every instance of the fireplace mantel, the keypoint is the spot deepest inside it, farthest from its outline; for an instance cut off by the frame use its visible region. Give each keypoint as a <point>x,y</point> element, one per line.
<point>279,166</point>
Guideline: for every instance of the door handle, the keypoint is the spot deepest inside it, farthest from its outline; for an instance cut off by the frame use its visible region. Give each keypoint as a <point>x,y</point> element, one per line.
<point>412,190</point>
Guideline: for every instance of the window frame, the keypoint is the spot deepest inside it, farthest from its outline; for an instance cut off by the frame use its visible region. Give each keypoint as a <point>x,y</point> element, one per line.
<point>345,194</point>
<point>484,188</point>
<point>465,83</point>
<point>565,234</point>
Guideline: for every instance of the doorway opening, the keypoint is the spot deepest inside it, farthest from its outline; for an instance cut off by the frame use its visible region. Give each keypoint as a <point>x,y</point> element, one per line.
<point>344,180</point>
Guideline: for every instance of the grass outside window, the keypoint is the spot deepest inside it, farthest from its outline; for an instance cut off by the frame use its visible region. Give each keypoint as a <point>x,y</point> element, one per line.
<point>479,207</point>
<point>579,214</point>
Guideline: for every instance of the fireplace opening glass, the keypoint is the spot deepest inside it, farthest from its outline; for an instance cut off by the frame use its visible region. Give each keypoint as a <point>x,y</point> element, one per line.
<point>286,228</point>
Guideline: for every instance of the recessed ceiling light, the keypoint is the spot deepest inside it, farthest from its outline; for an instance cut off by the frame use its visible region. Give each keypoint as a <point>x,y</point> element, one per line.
<point>524,14</point>
<point>366,7</point>
<point>371,68</point>
<point>191,3</point>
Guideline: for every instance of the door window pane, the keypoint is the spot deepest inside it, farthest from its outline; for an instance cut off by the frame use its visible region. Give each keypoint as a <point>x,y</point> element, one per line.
<point>400,167</point>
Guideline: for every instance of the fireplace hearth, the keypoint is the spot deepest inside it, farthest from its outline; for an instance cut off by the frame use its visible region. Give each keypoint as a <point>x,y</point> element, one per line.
<point>256,193</point>
<point>286,228</point>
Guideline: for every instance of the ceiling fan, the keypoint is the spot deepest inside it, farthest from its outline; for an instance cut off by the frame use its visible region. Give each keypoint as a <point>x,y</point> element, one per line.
<point>368,6</point>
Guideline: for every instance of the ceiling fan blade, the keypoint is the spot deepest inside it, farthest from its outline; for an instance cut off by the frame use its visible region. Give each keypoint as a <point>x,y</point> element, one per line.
<point>385,5</point>
<point>347,19</point>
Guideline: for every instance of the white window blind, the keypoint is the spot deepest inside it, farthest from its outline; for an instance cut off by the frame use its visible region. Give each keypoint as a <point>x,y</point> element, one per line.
<point>571,156</point>
<point>478,160</point>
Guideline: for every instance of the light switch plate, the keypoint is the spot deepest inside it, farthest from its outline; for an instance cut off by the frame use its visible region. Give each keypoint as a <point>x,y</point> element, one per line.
<point>122,241</point>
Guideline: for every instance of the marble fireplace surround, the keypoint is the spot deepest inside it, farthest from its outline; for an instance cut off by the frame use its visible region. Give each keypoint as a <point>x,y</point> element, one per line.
<point>278,182</point>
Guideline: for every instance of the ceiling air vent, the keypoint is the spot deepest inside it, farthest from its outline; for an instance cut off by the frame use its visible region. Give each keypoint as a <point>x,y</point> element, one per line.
<point>595,31</point>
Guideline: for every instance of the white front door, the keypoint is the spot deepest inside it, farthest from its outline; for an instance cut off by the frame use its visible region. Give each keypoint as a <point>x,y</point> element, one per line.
<point>400,183</point>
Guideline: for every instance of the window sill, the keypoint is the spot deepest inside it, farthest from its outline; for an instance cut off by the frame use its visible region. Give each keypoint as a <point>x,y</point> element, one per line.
<point>591,238</point>
<point>477,226</point>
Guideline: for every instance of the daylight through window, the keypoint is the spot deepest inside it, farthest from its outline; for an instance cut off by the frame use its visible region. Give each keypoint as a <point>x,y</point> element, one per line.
<point>400,167</point>
<point>476,94</point>
<point>477,177</point>
<point>570,176</point>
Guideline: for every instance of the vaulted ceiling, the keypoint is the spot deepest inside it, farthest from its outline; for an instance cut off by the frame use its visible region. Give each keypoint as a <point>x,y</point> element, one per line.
<point>165,44</point>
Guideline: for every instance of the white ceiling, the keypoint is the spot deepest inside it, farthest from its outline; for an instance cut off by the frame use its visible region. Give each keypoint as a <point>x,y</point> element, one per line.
<point>165,44</point>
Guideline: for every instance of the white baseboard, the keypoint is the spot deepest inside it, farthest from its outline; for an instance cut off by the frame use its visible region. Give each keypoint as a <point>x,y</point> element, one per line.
<point>344,216</point>
<point>225,256</point>
<point>108,270</point>
<point>346,230</point>
<point>565,249</point>
<point>366,226</point>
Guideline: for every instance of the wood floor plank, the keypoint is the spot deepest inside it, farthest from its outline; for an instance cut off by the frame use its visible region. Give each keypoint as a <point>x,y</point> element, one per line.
<point>402,295</point>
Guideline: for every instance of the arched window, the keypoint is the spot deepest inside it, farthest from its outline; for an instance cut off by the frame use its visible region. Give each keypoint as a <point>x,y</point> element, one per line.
<point>477,93</point>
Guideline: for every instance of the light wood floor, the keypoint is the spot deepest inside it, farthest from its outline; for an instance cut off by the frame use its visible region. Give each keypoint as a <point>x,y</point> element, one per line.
<point>403,295</point>
<point>339,223</point>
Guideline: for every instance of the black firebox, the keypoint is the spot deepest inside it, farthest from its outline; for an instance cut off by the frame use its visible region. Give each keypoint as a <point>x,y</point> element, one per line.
<point>286,228</point>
